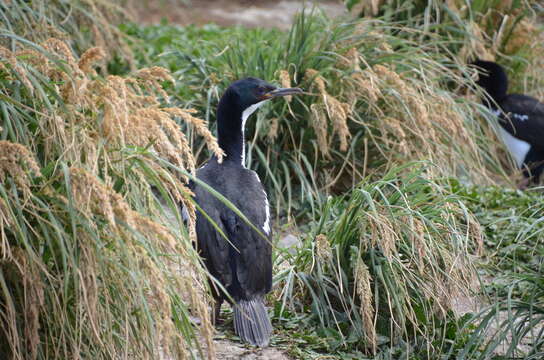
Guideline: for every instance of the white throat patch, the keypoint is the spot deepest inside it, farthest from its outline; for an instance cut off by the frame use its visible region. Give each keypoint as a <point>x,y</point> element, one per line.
<point>246,114</point>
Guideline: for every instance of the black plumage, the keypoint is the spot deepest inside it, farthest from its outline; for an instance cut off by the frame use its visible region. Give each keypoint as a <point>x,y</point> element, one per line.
<point>521,118</point>
<point>243,263</point>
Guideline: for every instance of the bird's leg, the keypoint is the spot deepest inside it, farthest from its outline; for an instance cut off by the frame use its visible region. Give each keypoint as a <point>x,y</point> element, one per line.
<point>217,311</point>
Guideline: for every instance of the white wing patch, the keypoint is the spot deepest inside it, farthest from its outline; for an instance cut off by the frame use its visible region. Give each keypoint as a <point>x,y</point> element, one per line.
<point>521,117</point>
<point>518,148</point>
<point>246,114</point>
<point>266,225</point>
<point>496,112</point>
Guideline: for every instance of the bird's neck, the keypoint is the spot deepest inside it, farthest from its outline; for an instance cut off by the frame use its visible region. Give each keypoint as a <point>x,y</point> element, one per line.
<point>496,87</point>
<point>230,133</point>
<point>231,121</point>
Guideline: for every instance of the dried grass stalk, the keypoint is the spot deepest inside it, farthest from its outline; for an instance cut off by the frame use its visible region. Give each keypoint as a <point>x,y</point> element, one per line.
<point>285,80</point>
<point>363,289</point>
<point>338,112</point>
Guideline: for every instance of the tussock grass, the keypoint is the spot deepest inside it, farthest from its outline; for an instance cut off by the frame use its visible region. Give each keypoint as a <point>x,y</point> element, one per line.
<point>380,266</point>
<point>503,31</point>
<point>374,100</point>
<point>90,265</point>
<point>82,23</point>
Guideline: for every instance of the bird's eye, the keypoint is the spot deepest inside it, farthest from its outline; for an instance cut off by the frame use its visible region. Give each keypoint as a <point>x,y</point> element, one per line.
<point>261,90</point>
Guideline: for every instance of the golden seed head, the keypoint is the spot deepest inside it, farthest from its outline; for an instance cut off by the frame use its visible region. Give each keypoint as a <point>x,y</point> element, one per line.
<point>323,248</point>
<point>285,80</point>
<point>89,58</point>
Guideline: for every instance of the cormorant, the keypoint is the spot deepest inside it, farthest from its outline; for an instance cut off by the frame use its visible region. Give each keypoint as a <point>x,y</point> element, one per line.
<point>243,263</point>
<point>521,120</point>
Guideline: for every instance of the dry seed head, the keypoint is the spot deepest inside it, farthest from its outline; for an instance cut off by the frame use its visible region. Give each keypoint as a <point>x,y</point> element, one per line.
<point>417,234</point>
<point>319,123</point>
<point>317,80</point>
<point>273,130</point>
<point>16,161</point>
<point>89,58</point>
<point>364,291</point>
<point>201,128</point>
<point>155,73</point>
<point>323,248</point>
<point>395,127</point>
<point>286,82</point>
<point>383,234</point>
<point>366,84</point>
<point>7,57</point>
<point>339,112</point>
<point>392,77</point>
<point>191,210</point>
<point>350,60</point>
<point>91,194</point>
<point>59,48</point>
<point>35,58</point>
<point>168,139</point>
<point>152,76</point>
<point>154,230</point>
<point>5,220</point>
<point>475,230</point>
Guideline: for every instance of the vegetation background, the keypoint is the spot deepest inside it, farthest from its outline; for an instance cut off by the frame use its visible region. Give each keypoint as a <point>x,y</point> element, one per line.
<point>411,241</point>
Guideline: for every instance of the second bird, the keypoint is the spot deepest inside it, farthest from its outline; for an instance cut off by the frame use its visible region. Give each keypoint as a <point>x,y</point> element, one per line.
<point>521,118</point>
<point>243,263</point>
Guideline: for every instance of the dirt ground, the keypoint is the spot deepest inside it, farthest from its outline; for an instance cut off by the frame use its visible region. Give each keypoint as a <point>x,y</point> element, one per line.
<point>256,13</point>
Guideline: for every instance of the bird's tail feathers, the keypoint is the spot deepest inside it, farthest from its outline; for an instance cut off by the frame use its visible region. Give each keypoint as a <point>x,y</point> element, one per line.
<point>251,322</point>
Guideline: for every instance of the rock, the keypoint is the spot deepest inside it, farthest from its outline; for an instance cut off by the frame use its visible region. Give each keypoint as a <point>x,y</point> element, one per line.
<point>290,243</point>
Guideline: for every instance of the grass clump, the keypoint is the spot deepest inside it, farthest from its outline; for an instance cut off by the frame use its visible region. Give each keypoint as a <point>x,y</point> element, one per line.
<point>379,268</point>
<point>90,263</point>
<point>368,107</point>
<point>503,31</point>
<point>82,23</point>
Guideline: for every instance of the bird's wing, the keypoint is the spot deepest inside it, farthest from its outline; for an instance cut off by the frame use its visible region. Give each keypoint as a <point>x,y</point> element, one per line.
<point>213,246</point>
<point>252,256</point>
<point>524,118</point>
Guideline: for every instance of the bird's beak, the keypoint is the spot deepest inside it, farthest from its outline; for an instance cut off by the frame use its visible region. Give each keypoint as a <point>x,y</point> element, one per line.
<point>282,92</point>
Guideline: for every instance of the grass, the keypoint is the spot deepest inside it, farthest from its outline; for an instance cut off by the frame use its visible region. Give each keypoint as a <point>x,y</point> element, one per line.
<point>90,264</point>
<point>379,266</point>
<point>387,166</point>
<point>370,108</point>
<point>513,224</point>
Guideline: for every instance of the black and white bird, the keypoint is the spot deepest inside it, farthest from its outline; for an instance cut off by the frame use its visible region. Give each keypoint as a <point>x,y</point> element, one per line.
<point>521,120</point>
<point>243,263</point>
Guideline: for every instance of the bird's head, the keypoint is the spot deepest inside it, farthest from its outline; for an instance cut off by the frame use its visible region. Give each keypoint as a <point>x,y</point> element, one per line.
<point>252,92</point>
<point>491,77</point>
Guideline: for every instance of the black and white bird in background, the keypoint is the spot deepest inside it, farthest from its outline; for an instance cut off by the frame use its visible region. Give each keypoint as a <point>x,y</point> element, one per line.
<point>243,263</point>
<point>521,120</point>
